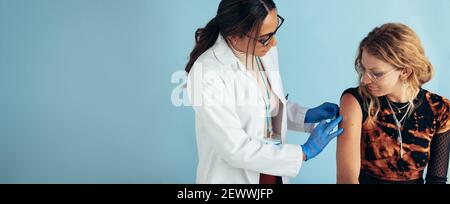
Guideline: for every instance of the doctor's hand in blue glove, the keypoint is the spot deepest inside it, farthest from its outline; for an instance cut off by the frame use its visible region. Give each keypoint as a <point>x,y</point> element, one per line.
<point>320,137</point>
<point>322,112</point>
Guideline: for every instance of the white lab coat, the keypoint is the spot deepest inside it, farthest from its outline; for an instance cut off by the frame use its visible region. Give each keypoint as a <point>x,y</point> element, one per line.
<point>230,135</point>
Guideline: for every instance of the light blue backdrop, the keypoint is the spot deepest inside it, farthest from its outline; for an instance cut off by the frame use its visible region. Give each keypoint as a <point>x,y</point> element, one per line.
<point>85,85</point>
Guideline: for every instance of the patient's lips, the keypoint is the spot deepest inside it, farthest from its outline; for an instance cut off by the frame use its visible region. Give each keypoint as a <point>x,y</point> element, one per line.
<point>372,88</point>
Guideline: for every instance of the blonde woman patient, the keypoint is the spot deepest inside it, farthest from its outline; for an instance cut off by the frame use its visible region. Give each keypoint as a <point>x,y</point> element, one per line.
<point>395,129</point>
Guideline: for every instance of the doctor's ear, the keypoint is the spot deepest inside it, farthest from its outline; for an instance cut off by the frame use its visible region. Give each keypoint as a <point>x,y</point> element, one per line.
<point>233,40</point>
<point>406,73</point>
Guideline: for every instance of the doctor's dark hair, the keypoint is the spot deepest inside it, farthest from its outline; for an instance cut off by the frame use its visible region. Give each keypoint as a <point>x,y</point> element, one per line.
<point>233,18</point>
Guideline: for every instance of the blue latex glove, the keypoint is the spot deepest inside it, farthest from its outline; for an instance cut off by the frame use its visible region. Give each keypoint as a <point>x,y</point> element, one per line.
<point>322,112</point>
<point>320,137</point>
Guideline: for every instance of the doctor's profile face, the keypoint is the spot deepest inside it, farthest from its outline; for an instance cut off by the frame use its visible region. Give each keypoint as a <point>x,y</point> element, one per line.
<point>264,41</point>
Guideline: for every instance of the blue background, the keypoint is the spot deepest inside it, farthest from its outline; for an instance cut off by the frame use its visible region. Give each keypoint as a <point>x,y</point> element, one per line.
<point>85,85</point>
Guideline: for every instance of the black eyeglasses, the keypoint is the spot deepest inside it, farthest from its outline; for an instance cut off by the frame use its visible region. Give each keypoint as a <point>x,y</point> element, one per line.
<point>266,40</point>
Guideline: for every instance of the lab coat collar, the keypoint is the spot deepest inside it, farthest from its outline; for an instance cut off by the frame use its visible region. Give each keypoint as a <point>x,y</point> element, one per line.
<point>272,71</point>
<point>224,53</point>
<point>226,56</point>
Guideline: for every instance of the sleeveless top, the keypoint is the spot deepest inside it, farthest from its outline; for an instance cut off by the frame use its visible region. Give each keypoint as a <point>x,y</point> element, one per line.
<point>426,137</point>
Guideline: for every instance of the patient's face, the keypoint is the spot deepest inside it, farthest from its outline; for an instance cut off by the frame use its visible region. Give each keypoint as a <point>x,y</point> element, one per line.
<point>385,78</point>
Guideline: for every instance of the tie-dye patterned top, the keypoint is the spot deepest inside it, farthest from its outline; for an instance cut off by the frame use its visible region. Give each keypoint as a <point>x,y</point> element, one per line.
<point>425,134</point>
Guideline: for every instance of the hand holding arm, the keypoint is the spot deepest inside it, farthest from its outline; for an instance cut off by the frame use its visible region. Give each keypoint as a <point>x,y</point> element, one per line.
<point>320,137</point>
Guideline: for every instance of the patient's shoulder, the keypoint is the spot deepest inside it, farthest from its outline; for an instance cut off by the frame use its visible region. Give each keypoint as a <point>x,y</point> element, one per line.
<point>355,93</point>
<point>351,102</point>
<point>352,91</point>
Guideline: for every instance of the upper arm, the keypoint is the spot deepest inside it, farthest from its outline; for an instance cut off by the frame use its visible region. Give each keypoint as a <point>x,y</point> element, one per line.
<point>439,154</point>
<point>440,147</point>
<point>348,144</point>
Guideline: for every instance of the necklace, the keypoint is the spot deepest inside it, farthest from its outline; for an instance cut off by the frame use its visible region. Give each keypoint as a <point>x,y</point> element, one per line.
<point>401,107</point>
<point>399,125</point>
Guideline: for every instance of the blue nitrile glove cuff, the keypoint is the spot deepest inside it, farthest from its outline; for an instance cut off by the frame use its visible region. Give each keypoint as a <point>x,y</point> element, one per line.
<point>306,152</point>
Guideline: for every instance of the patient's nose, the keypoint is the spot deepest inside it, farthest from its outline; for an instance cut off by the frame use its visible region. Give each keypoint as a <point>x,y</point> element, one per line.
<point>365,80</point>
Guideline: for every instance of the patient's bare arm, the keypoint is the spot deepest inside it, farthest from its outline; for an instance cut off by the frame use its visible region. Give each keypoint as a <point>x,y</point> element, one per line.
<point>348,156</point>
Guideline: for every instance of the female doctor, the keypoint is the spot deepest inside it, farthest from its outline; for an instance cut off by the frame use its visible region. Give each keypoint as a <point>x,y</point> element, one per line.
<point>241,114</point>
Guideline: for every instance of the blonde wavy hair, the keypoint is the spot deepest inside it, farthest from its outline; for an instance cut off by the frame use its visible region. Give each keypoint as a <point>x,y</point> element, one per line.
<point>398,45</point>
